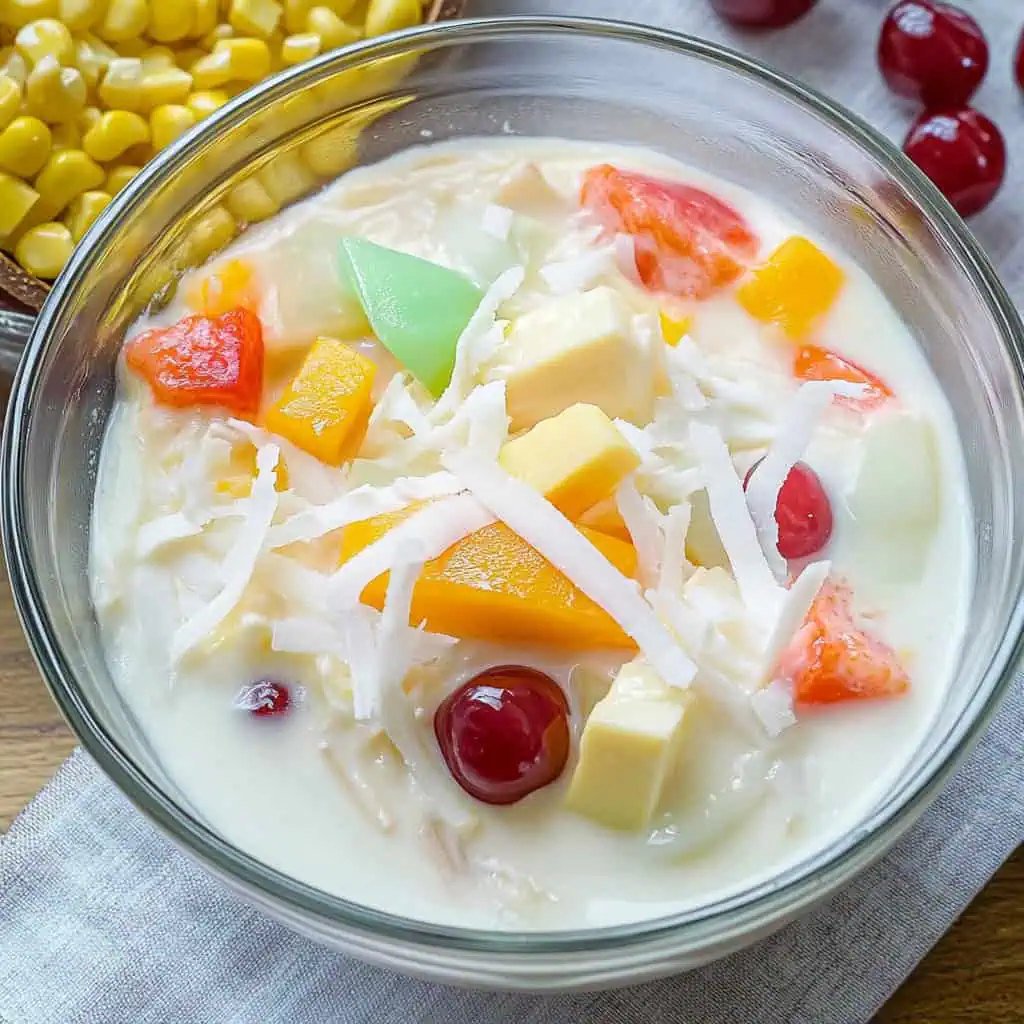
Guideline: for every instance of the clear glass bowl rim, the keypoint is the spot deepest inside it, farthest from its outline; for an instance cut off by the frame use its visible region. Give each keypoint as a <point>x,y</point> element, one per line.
<point>730,917</point>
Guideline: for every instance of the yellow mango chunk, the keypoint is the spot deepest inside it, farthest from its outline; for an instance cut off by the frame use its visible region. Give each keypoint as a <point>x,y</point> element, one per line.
<point>574,459</point>
<point>796,284</point>
<point>492,585</point>
<point>241,472</point>
<point>326,407</point>
<point>605,518</point>
<point>674,327</point>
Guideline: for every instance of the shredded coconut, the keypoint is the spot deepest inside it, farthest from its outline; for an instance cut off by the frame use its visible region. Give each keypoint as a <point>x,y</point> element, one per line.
<point>580,272</point>
<point>643,521</point>
<point>795,606</point>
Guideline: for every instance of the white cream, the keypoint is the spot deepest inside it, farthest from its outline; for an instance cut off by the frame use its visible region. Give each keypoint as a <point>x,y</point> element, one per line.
<point>291,791</point>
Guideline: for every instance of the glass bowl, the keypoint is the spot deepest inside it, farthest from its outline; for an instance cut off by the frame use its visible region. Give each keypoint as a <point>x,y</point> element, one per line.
<point>566,77</point>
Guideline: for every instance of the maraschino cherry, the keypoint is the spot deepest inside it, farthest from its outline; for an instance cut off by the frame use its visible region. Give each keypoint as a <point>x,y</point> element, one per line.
<point>264,698</point>
<point>803,512</point>
<point>505,733</point>
<point>932,52</point>
<point>762,13</point>
<point>963,152</point>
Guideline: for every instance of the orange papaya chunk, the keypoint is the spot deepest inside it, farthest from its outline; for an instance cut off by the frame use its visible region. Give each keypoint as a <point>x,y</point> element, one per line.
<point>815,363</point>
<point>831,659</point>
<point>326,407</point>
<point>492,585</point>
<point>796,285</point>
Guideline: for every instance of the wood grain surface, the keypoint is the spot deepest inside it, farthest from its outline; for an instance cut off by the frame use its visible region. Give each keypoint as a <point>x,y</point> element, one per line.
<point>975,974</point>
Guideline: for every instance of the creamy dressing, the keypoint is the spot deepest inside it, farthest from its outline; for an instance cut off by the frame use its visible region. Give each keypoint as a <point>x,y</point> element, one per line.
<point>305,793</point>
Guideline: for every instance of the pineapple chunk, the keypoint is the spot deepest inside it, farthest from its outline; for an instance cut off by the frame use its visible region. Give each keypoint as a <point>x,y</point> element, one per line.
<point>578,348</point>
<point>628,749</point>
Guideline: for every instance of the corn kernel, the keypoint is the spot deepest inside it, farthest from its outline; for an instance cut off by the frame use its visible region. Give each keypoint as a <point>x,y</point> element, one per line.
<point>20,12</point>
<point>93,57</point>
<point>169,121</point>
<point>169,20</point>
<point>333,151</point>
<point>211,71</point>
<point>187,56</point>
<point>286,178</point>
<point>249,201</point>
<point>255,17</point>
<point>295,12</point>
<point>171,85</point>
<point>121,88</point>
<point>13,65</point>
<point>66,136</point>
<point>333,32</point>
<point>248,59</point>
<point>65,175</point>
<point>343,8</point>
<point>391,15</point>
<point>10,100</point>
<point>204,17</point>
<point>88,118</point>
<point>299,47</point>
<point>219,32</point>
<point>124,20</point>
<point>53,93</point>
<point>44,249</point>
<point>115,132</point>
<point>83,210</point>
<point>118,177</point>
<point>214,230</point>
<point>157,58</point>
<point>79,15</point>
<point>16,199</point>
<point>206,101</point>
<point>45,37</point>
<point>24,146</point>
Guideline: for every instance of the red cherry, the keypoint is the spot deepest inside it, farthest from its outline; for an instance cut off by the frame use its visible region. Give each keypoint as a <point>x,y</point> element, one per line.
<point>1018,61</point>
<point>963,152</point>
<point>762,13</point>
<point>803,513</point>
<point>505,733</point>
<point>932,52</point>
<point>264,698</point>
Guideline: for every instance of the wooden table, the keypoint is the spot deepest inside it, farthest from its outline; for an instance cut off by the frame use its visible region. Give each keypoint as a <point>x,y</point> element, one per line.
<point>975,974</point>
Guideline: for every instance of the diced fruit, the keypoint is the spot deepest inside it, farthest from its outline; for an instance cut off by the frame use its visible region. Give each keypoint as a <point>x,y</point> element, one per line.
<point>574,459</point>
<point>417,309</point>
<point>762,13</point>
<point>815,363</point>
<point>264,699</point>
<point>326,407</point>
<point>203,360</point>
<point>831,659</point>
<point>241,472</point>
<point>231,285</point>
<point>703,545</point>
<point>505,733</point>
<point>492,585</point>
<point>688,242</point>
<point>526,190</point>
<point>674,327</point>
<point>803,512</point>
<point>795,286</point>
<point>577,348</point>
<point>628,749</point>
<point>895,499</point>
<point>605,518</point>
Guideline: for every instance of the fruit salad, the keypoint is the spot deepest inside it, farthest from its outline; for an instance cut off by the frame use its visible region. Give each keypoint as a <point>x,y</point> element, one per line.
<point>529,534</point>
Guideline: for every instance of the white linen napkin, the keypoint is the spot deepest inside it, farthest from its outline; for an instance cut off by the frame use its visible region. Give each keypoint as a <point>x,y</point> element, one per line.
<point>103,921</point>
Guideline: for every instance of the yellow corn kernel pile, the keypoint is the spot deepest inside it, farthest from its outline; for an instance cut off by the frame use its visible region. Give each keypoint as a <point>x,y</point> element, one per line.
<point>91,89</point>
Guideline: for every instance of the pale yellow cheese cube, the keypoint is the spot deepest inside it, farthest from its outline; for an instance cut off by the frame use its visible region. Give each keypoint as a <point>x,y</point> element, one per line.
<point>578,348</point>
<point>629,748</point>
<point>574,459</point>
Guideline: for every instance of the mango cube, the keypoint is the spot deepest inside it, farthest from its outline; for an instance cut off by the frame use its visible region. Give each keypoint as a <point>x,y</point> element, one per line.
<point>797,284</point>
<point>492,585</point>
<point>628,749</point>
<point>574,459</point>
<point>326,407</point>
<point>578,348</point>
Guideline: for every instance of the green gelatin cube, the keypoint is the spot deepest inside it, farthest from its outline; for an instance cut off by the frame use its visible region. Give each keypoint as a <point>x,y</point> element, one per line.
<point>417,309</point>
